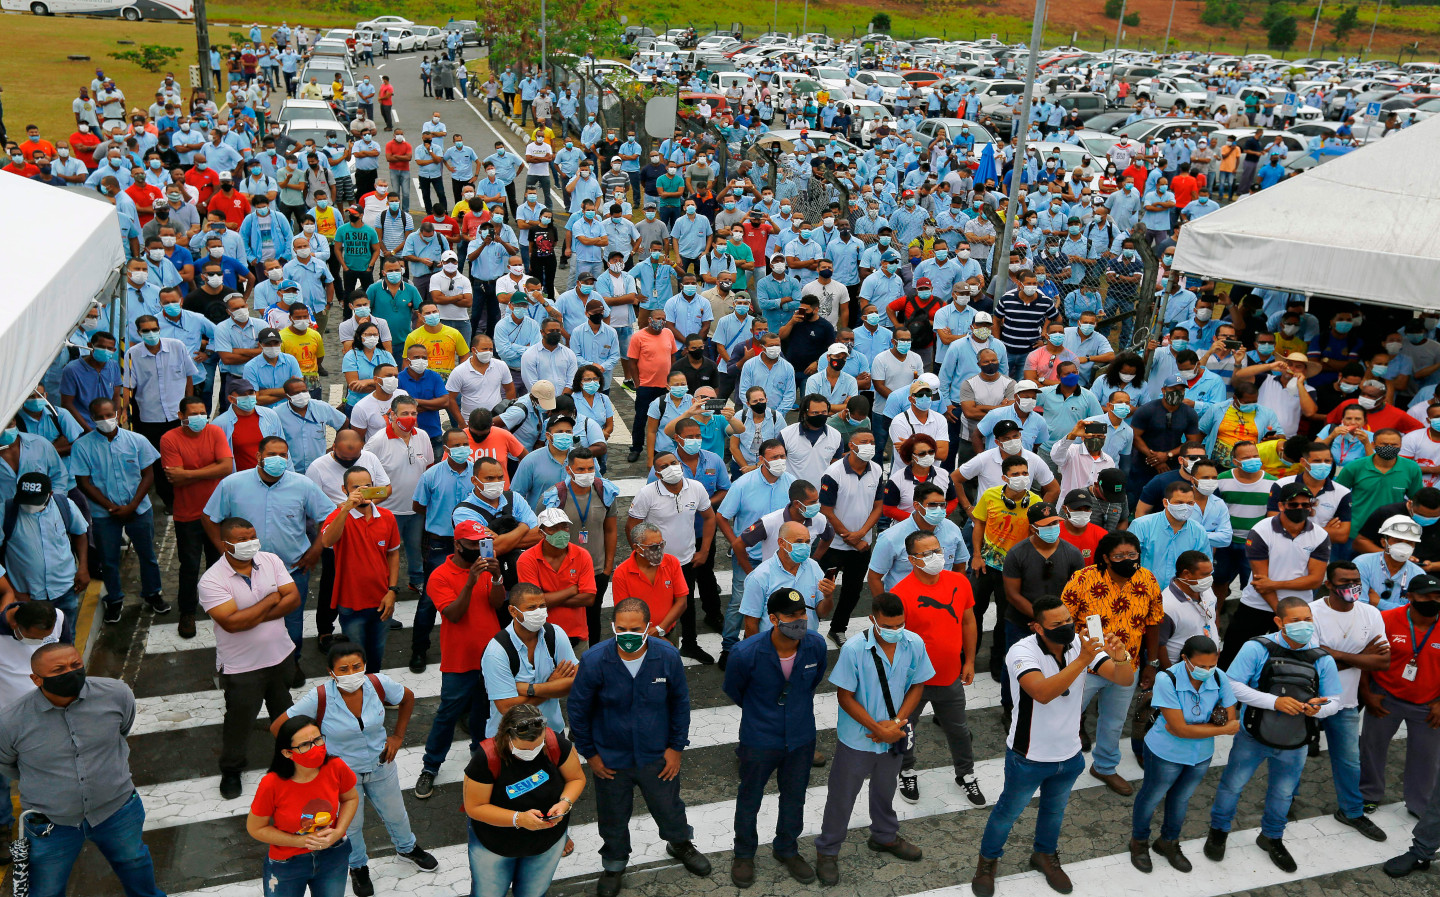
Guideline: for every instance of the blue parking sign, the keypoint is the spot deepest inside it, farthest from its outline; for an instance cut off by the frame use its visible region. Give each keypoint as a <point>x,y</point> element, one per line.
<point>1372,110</point>
<point>1289,100</point>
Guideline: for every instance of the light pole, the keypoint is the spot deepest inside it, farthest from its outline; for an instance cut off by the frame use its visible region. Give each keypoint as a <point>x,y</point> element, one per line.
<point>1316,27</point>
<point>542,37</point>
<point>1022,123</point>
<point>805,22</point>
<point>1168,22</point>
<point>1371,43</point>
<point>202,46</point>
<point>775,18</point>
<point>1115,51</point>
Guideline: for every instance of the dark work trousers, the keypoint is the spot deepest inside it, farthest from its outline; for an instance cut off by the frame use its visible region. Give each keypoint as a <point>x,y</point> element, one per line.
<point>365,181</point>
<point>438,185</point>
<point>436,550</point>
<point>543,270</point>
<point>592,613</point>
<point>191,544</point>
<point>853,566</point>
<point>988,585</point>
<point>615,801</point>
<point>152,433</point>
<point>645,396</point>
<point>485,307</point>
<point>244,695</point>
<point>352,281</point>
<point>949,704</point>
<point>702,580</point>
<point>1246,622</point>
<point>689,623</point>
<point>324,613</point>
<point>848,772</point>
<point>460,693</point>
<point>792,775</point>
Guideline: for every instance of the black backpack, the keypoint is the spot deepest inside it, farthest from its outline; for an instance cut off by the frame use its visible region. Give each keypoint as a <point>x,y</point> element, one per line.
<point>1288,673</point>
<point>922,331</point>
<point>504,641</point>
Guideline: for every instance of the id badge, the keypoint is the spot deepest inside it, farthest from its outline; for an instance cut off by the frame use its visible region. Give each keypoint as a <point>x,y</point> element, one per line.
<point>584,537</point>
<point>527,784</point>
<point>1410,672</point>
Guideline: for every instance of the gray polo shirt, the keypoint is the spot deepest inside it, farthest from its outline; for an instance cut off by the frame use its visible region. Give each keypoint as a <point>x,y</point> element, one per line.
<point>72,762</point>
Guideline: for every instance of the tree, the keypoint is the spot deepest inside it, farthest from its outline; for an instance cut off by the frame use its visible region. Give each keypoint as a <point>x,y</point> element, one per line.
<point>1132,19</point>
<point>1112,9</point>
<point>575,27</point>
<point>880,22</point>
<point>1282,34</point>
<point>150,57</point>
<point>1346,22</point>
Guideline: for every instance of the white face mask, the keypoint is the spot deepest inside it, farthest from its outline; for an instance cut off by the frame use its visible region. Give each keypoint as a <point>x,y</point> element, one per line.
<point>419,365</point>
<point>492,491</point>
<point>301,400</point>
<point>772,352</point>
<point>777,467</point>
<point>924,461</point>
<point>1207,487</point>
<point>1025,405</point>
<point>1080,518</point>
<point>370,341</point>
<point>527,753</point>
<point>1400,551</point>
<point>483,356</point>
<point>389,384</point>
<point>933,564</point>
<point>1010,446</point>
<point>351,682</point>
<point>1200,585</point>
<point>244,551</point>
<point>865,452</point>
<point>1126,378</point>
<point>534,620</point>
<point>582,480</point>
<point>107,426</point>
<point>1019,482</point>
<point>270,352</point>
<point>672,474</point>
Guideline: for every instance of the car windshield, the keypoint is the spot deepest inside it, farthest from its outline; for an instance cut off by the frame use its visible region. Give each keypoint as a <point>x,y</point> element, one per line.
<point>1188,86</point>
<point>888,79</point>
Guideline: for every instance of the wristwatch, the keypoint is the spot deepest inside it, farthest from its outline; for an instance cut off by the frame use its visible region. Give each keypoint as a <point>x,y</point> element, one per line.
<point>660,631</point>
<point>530,690</point>
<point>1154,664</point>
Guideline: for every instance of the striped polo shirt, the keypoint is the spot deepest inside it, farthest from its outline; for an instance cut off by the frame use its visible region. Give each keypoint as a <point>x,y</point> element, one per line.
<point>1246,501</point>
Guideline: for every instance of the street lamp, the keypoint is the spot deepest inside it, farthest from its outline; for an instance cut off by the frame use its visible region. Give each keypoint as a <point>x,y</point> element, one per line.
<point>1316,27</point>
<point>1022,122</point>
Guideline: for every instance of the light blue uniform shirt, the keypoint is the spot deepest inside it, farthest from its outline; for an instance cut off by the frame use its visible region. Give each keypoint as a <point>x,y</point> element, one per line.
<point>1061,413</point>
<point>1085,347</point>
<point>871,343</point>
<point>1034,431</point>
<point>845,255</point>
<point>752,496</point>
<point>264,374</point>
<point>501,683</point>
<point>357,742</point>
<point>854,671</point>
<point>521,511</point>
<point>280,512</point>
<point>601,349</point>
<point>805,251</point>
<point>306,434</point>
<point>845,386</point>
<point>113,466</point>
<point>669,410</point>
<point>1160,545</point>
<point>1195,708</point>
<point>942,276</point>
<point>657,283</point>
<point>688,314</point>
<point>778,382</point>
<point>961,362</point>
<point>691,233</point>
<point>1374,575</point>
<point>892,562</point>
<point>513,337</point>
<point>38,564</point>
<point>768,576</point>
<point>440,489</point>
<point>777,299</point>
<point>540,362</point>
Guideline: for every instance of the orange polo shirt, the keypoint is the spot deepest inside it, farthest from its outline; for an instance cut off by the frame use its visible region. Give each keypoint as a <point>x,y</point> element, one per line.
<point>362,569</point>
<point>661,594</point>
<point>576,569</point>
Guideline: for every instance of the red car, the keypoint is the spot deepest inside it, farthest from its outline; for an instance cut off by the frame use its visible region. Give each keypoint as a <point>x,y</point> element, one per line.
<point>922,77</point>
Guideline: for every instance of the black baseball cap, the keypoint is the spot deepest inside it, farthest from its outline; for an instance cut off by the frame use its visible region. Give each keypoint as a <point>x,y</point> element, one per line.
<point>267,335</point>
<point>1291,491</point>
<point>1079,500</point>
<point>1041,511</point>
<point>784,601</point>
<point>32,488</point>
<point>1424,584</point>
<point>1005,428</point>
<point>1112,484</point>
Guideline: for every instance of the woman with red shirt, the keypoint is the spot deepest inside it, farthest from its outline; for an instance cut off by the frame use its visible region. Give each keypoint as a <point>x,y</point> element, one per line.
<point>302,809</point>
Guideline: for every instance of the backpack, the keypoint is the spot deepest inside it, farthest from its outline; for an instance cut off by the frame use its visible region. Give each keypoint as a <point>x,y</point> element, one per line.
<point>492,756</point>
<point>508,646</point>
<point>922,331</point>
<point>1288,673</point>
<point>12,514</point>
<point>320,699</point>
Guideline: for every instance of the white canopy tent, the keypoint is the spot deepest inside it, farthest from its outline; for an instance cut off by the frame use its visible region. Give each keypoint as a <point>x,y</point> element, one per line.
<point>1364,226</point>
<point>60,250</point>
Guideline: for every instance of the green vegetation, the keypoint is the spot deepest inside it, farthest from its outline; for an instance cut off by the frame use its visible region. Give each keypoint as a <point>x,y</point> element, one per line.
<point>881,22</point>
<point>1346,22</point>
<point>571,28</point>
<point>1282,34</point>
<point>150,57</point>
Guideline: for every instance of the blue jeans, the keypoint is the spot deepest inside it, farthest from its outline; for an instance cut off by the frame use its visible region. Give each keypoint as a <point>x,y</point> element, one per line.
<point>1015,362</point>
<point>491,875</point>
<point>411,526</point>
<point>323,873</point>
<point>456,689</point>
<point>1246,755</point>
<point>1114,708</point>
<point>295,620</point>
<point>437,549</point>
<point>366,629</point>
<point>756,766</point>
<point>382,787</point>
<point>7,811</point>
<point>1022,779</point>
<point>734,622</point>
<point>615,804</point>
<point>141,529</point>
<point>69,605</point>
<point>54,848</point>
<point>1342,742</point>
<point>1171,783</point>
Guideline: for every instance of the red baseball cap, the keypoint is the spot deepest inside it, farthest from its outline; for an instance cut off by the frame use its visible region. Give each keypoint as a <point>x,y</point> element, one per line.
<point>472,531</point>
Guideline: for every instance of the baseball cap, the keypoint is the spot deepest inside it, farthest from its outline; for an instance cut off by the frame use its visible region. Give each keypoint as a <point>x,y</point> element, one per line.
<point>472,530</point>
<point>1041,511</point>
<point>594,305</point>
<point>890,256</point>
<point>1398,527</point>
<point>1079,500</point>
<point>240,384</point>
<point>982,317</point>
<point>268,335</point>
<point>1005,428</point>
<point>922,283</point>
<point>1291,491</point>
<point>1112,484</point>
<point>554,517</point>
<point>543,392</point>
<point>226,176</point>
<point>837,349</point>
<point>783,601</point>
<point>285,285</point>
<point>1027,386</point>
<point>448,256</point>
<point>920,386</point>
<point>1424,584</point>
<point>32,488</point>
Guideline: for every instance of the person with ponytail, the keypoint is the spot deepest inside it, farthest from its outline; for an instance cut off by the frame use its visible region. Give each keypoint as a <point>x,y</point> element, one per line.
<point>303,809</point>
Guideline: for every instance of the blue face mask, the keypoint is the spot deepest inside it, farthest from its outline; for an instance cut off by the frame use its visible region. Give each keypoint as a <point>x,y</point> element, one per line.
<point>393,276</point>
<point>678,391</point>
<point>1248,408</point>
<point>591,387</point>
<point>922,403</point>
<point>35,406</point>
<point>691,446</point>
<point>1056,339</point>
<point>245,403</point>
<point>1050,534</point>
<point>432,319</point>
<point>934,515</point>
<point>1321,471</point>
<point>873,320</point>
<point>1200,674</point>
<point>562,441</point>
<point>1087,329</point>
<point>903,347</point>
<point>890,635</point>
<point>1252,465</point>
<point>9,435</point>
<point>941,254</point>
<point>1379,370</point>
<point>1070,380</point>
<point>1424,521</point>
<point>688,289</point>
<point>1179,345</point>
<point>809,511</point>
<point>584,289</point>
<point>800,552</point>
<point>104,356</point>
<point>275,465</point>
<point>1343,326</point>
<point>1301,631</point>
<point>1121,410</point>
<point>459,453</point>
<point>1265,350</point>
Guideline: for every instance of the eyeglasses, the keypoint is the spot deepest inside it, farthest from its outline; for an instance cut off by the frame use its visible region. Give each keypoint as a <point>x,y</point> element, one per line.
<point>530,728</point>
<point>1126,557</point>
<point>305,746</point>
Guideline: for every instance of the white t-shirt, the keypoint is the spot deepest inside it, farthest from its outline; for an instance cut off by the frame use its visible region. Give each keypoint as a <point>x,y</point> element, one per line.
<point>908,423</point>
<point>479,389</point>
<point>15,663</point>
<point>537,169</point>
<point>404,463</point>
<point>1349,631</point>
<point>329,475</point>
<point>831,297</point>
<point>1418,445</point>
<point>347,327</point>
<point>895,373</point>
<point>674,514</point>
<point>369,413</point>
<point>985,470</point>
<point>1045,733</point>
<point>450,287</point>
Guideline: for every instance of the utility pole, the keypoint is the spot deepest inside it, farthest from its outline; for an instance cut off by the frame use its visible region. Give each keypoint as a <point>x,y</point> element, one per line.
<point>1022,124</point>
<point>1168,22</point>
<point>202,47</point>
<point>805,22</point>
<point>1115,51</point>
<point>1371,43</point>
<point>542,39</point>
<point>1316,27</point>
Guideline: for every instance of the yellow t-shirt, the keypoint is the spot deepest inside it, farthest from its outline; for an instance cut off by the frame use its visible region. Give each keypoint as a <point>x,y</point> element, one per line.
<point>1275,463</point>
<point>327,223</point>
<point>308,348</point>
<point>1285,345</point>
<point>446,347</point>
<point>1004,526</point>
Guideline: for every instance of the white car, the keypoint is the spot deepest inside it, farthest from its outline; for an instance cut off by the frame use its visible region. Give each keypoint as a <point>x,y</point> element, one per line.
<point>889,83</point>
<point>382,22</point>
<point>1167,92</point>
<point>416,38</point>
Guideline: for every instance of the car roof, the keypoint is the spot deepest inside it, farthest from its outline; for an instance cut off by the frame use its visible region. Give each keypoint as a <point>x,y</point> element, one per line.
<point>313,124</point>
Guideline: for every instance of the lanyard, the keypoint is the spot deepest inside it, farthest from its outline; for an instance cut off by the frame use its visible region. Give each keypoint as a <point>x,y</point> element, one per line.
<point>589,497</point>
<point>1417,647</point>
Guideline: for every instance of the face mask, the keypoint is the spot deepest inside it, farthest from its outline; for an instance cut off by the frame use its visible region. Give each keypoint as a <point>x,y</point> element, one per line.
<point>65,685</point>
<point>558,540</point>
<point>890,635</point>
<point>370,341</point>
<point>389,384</point>
<point>1400,551</point>
<point>275,465</point>
<point>534,620</point>
<point>244,551</point>
<point>629,642</point>
<point>793,629</point>
<point>1387,452</point>
<point>527,754</point>
<point>903,347</point>
<point>350,682</point>
<point>1124,569</point>
<point>1301,631</point>
<point>1060,636</point>
<point>1393,348</point>
<point>1179,512</point>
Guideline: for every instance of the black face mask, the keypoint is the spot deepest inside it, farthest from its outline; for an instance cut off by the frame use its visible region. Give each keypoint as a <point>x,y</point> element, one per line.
<point>596,318</point>
<point>65,685</point>
<point>838,363</point>
<point>990,368</point>
<point>759,407</point>
<point>1060,636</point>
<point>1387,452</point>
<point>1124,569</point>
<point>552,339</point>
<point>1094,445</point>
<point>346,463</point>
<point>697,353</point>
<point>1297,515</point>
<point>815,421</point>
<point>1425,608</point>
<point>467,556</point>
<point>480,435</point>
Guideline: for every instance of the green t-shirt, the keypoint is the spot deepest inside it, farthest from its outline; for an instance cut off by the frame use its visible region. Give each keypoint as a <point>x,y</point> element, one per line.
<point>1369,488</point>
<point>356,244</point>
<point>666,182</point>
<point>740,252</point>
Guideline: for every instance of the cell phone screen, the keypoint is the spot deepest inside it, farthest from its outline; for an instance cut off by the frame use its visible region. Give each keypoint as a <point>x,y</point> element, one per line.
<point>487,548</point>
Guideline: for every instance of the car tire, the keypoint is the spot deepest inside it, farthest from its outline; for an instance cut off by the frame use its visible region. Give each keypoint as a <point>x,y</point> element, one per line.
<point>130,14</point>
<point>39,9</point>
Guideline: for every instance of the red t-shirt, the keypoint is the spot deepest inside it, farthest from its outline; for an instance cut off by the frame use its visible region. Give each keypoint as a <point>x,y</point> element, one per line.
<point>756,238</point>
<point>180,448</point>
<point>1185,188</point>
<point>144,197</point>
<point>245,441</point>
<point>445,226</point>
<point>387,94</point>
<point>1385,418</point>
<point>669,586</point>
<point>462,644</point>
<point>1426,683</point>
<point>205,183</point>
<point>500,445</point>
<point>939,619</point>
<point>362,569</point>
<point>576,569</point>
<point>82,147</point>
<point>302,807</point>
<point>233,204</point>
<point>1086,542</point>
<point>404,150</point>
<point>653,353</point>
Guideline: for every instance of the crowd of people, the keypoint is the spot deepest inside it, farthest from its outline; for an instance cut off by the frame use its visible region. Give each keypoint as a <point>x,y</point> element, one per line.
<point>838,402</point>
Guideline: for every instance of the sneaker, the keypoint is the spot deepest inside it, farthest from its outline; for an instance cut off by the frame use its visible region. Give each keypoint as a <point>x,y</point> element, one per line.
<point>187,626</point>
<point>972,789</point>
<point>1275,848</point>
<point>112,611</point>
<point>1404,864</point>
<point>417,663</point>
<point>695,862</point>
<point>909,786</point>
<point>421,858</point>
<point>1215,844</point>
<point>425,785</point>
<point>230,785</point>
<point>360,882</point>
<point>1364,826</point>
<point>838,637</point>
<point>157,604</point>
<point>695,652</point>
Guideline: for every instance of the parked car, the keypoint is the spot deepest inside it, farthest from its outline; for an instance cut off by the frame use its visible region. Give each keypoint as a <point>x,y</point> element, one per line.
<point>305,110</point>
<point>416,38</point>
<point>1170,92</point>
<point>318,129</point>
<point>469,31</point>
<point>382,22</point>
<point>931,128</point>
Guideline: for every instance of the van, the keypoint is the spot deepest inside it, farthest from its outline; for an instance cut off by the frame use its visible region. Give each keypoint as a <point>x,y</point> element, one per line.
<point>723,81</point>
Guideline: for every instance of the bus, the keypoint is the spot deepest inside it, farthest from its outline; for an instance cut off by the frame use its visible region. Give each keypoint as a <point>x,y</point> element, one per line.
<point>129,10</point>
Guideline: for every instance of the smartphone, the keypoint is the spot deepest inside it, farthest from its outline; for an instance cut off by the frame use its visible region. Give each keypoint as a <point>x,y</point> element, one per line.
<point>372,493</point>
<point>1097,632</point>
<point>487,548</point>
<point>1233,344</point>
<point>713,404</point>
<point>1095,429</point>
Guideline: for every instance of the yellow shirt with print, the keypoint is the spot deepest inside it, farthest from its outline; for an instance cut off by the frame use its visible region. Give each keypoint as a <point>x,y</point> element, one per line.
<point>1005,526</point>
<point>1274,460</point>
<point>308,348</point>
<point>327,223</point>
<point>446,347</point>
<point>1284,345</point>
